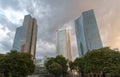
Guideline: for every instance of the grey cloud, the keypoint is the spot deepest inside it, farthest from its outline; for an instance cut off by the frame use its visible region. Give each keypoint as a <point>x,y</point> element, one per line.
<point>6,45</point>
<point>10,4</point>
<point>45,48</point>
<point>57,18</point>
<point>11,34</point>
<point>45,53</point>
<point>4,21</point>
<point>3,28</point>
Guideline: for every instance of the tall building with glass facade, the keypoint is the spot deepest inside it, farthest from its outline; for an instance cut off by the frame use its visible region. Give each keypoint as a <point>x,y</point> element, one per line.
<point>64,46</point>
<point>87,33</point>
<point>26,36</point>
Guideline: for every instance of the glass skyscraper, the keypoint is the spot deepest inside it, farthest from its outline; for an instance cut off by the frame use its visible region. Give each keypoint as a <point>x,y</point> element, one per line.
<point>26,36</point>
<point>64,46</point>
<point>87,33</point>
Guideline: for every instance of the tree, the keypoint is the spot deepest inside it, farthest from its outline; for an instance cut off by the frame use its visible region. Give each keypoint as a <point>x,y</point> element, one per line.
<point>63,62</point>
<point>79,65</point>
<point>48,62</point>
<point>1,56</point>
<point>102,60</point>
<point>71,65</point>
<point>17,64</point>
<point>57,66</point>
<point>56,69</point>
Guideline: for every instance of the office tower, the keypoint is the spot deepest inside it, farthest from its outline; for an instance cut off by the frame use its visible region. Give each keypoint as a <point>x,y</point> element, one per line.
<point>64,46</point>
<point>26,36</point>
<point>87,33</point>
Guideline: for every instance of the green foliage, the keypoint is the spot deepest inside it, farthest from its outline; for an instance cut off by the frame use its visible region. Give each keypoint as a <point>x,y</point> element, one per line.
<point>104,59</point>
<point>57,66</point>
<point>79,64</point>
<point>17,64</point>
<point>100,60</point>
<point>71,65</point>
<point>1,56</point>
<point>49,62</point>
<point>63,62</point>
<point>56,69</point>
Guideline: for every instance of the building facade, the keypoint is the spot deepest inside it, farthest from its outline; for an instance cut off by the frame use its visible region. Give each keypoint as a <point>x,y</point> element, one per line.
<point>87,33</point>
<point>26,36</point>
<point>64,46</point>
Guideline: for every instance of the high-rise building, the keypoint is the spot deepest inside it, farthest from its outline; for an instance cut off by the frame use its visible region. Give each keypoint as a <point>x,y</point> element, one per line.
<point>64,46</point>
<point>87,33</point>
<point>26,36</point>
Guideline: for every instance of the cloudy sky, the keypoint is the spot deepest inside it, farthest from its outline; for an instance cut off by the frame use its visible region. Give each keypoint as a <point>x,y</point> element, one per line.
<point>55,14</point>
